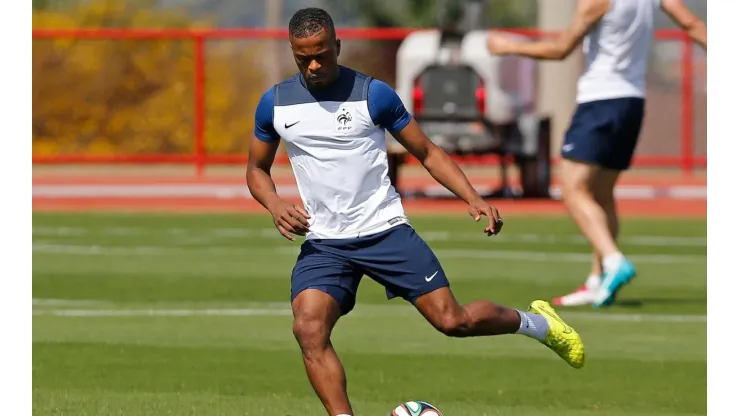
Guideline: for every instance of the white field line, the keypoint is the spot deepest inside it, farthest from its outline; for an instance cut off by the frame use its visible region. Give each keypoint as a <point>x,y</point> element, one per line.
<point>492,253</point>
<point>66,302</point>
<point>639,240</point>
<point>92,250</point>
<point>564,257</point>
<point>90,313</point>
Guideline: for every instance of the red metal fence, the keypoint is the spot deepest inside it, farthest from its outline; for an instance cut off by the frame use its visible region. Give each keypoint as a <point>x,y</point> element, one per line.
<point>116,95</point>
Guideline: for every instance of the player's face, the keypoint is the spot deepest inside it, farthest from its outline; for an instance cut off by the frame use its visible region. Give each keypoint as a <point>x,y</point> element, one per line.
<point>316,57</point>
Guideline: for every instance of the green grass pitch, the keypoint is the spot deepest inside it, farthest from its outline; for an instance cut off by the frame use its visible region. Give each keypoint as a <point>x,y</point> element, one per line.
<point>143,314</point>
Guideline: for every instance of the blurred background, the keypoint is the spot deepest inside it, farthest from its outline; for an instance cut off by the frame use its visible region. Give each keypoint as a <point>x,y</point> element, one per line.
<point>109,90</point>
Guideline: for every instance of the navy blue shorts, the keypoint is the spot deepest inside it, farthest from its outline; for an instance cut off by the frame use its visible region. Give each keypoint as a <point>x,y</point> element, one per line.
<point>605,132</point>
<point>397,258</point>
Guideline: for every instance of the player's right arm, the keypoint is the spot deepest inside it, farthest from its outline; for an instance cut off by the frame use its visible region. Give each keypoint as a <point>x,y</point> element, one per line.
<point>288,218</point>
<point>688,21</point>
<point>588,13</point>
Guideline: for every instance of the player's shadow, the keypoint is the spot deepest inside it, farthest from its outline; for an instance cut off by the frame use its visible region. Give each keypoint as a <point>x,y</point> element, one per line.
<point>638,303</point>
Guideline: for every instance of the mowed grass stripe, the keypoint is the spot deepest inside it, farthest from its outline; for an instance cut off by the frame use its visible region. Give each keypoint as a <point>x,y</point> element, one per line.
<point>497,385</point>
<point>363,310</point>
<point>387,335</point>
<point>492,253</point>
<point>387,329</point>
<point>108,402</point>
<point>429,235</point>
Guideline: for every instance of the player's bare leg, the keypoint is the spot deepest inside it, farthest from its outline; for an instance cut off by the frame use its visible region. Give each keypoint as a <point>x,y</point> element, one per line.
<point>477,318</point>
<point>579,180</point>
<point>482,318</point>
<point>602,190</point>
<point>315,314</point>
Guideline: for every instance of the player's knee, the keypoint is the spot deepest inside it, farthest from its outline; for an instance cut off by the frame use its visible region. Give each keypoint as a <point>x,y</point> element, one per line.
<point>575,185</point>
<point>454,324</point>
<point>577,179</point>
<point>575,190</point>
<point>311,334</point>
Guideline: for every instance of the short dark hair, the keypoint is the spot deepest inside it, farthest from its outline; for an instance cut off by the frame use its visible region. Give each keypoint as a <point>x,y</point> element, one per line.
<point>310,21</point>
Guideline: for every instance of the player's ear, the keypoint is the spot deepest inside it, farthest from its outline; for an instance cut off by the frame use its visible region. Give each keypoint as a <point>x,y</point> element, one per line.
<point>339,46</point>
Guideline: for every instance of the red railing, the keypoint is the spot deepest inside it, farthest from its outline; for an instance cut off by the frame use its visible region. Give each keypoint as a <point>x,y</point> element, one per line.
<point>200,158</point>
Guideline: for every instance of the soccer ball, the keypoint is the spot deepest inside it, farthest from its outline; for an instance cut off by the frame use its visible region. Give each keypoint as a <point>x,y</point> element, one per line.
<point>415,408</point>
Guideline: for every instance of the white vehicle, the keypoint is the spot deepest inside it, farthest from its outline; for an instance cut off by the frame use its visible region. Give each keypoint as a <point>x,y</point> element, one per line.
<point>470,102</point>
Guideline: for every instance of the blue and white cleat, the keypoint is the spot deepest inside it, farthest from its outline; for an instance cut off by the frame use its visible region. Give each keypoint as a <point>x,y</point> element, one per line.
<point>612,282</point>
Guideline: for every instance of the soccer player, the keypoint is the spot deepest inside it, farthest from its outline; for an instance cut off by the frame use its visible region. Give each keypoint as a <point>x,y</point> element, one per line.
<point>332,120</point>
<point>617,37</point>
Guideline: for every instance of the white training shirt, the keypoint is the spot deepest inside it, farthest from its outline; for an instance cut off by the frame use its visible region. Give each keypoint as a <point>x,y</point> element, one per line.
<point>617,51</point>
<point>335,139</point>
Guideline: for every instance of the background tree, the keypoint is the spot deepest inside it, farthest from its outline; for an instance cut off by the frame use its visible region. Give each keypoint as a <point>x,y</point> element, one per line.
<point>136,96</point>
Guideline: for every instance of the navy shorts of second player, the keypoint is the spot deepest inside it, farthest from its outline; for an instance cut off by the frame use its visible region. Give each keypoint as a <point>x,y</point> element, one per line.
<point>605,132</point>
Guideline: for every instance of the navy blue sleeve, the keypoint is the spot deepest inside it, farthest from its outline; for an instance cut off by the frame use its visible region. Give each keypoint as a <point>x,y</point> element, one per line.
<point>386,107</point>
<point>263,126</point>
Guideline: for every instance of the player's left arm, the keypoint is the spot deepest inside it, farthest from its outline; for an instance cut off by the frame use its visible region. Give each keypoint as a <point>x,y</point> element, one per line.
<point>588,13</point>
<point>387,110</point>
<point>687,20</point>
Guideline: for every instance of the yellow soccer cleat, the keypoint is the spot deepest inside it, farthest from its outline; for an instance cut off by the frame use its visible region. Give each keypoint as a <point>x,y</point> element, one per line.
<point>561,337</point>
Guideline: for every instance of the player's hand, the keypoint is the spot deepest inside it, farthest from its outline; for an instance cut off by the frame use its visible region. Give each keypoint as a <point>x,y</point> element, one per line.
<point>498,44</point>
<point>480,208</point>
<point>290,219</point>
